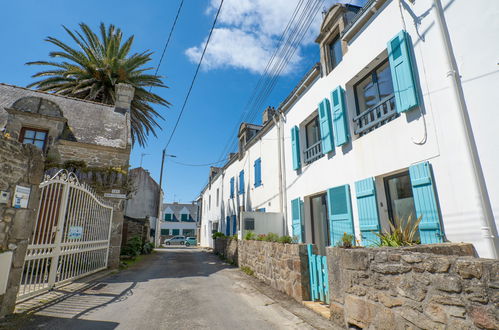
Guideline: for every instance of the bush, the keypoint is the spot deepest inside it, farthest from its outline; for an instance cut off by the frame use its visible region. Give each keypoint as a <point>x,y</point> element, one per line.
<point>247,270</point>
<point>250,236</point>
<point>346,241</point>
<point>133,247</point>
<point>218,235</point>
<point>271,237</point>
<point>147,248</point>
<point>285,239</point>
<point>233,237</point>
<point>402,233</point>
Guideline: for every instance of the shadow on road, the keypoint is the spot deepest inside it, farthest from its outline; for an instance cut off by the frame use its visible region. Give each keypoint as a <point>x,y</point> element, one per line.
<point>67,310</point>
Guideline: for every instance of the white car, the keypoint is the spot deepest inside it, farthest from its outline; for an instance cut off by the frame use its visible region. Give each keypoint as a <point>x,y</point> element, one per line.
<point>175,240</point>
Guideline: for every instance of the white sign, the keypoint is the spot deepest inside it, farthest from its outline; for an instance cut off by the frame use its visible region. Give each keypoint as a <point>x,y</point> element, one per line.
<point>115,191</point>
<point>21,197</point>
<point>111,195</point>
<point>75,232</point>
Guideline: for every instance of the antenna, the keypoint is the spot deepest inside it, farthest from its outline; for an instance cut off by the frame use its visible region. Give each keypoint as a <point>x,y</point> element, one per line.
<point>142,157</point>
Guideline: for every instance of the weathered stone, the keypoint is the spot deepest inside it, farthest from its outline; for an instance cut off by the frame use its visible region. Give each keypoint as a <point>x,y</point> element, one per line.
<point>469,269</point>
<point>436,313</point>
<point>411,258</point>
<point>448,283</point>
<point>391,268</point>
<point>437,265</point>
<point>356,290</point>
<point>483,317</point>
<point>337,314</point>
<point>388,300</point>
<point>412,289</point>
<point>359,312</point>
<point>448,300</point>
<point>420,320</point>
<point>476,292</point>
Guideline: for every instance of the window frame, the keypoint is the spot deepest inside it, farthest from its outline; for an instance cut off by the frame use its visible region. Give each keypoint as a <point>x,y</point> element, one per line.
<point>313,119</point>
<point>330,48</point>
<point>370,73</point>
<point>22,135</point>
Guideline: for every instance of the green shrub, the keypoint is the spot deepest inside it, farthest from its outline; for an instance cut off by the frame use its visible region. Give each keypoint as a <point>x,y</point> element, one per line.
<point>247,270</point>
<point>250,236</point>
<point>346,241</point>
<point>261,237</point>
<point>147,248</point>
<point>133,247</point>
<point>402,233</point>
<point>271,237</point>
<point>233,237</point>
<point>285,239</point>
<point>218,235</point>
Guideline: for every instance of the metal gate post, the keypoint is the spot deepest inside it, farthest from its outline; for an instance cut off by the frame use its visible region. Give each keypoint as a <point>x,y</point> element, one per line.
<point>61,219</point>
<point>109,236</point>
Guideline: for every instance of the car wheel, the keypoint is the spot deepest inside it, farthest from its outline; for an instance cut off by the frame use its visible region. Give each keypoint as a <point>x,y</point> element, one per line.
<point>167,243</point>
<point>182,243</point>
<point>187,244</point>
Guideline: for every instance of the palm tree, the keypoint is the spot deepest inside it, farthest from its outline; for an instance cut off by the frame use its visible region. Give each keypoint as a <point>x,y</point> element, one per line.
<point>91,71</point>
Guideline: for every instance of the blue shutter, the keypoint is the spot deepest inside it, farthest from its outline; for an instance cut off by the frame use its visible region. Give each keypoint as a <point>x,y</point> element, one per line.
<point>258,172</point>
<point>340,117</point>
<point>296,219</point>
<point>234,224</point>
<point>227,226</point>
<point>368,211</point>
<point>241,182</point>
<point>232,187</point>
<point>401,67</point>
<point>326,126</point>
<point>340,213</point>
<point>295,147</point>
<point>425,203</point>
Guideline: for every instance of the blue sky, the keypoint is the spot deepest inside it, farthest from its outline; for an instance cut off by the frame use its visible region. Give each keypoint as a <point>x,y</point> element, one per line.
<point>241,47</point>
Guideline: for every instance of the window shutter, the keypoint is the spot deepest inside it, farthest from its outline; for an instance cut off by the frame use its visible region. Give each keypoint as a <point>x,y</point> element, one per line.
<point>241,182</point>
<point>258,172</point>
<point>234,224</point>
<point>227,226</point>
<point>368,211</point>
<point>401,67</point>
<point>340,213</point>
<point>232,187</point>
<point>296,218</point>
<point>168,217</point>
<point>295,146</point>
<point>326,126</point>
<point>340,117</point>
<point>184,217</point>
<point>425,203</point>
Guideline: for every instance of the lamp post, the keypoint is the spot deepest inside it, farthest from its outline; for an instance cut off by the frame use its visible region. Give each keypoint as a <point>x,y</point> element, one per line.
<point>157,232</point>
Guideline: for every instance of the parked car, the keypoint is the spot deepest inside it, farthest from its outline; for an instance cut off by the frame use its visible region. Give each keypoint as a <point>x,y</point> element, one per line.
<point>190,241</point>
<point>175,240</point>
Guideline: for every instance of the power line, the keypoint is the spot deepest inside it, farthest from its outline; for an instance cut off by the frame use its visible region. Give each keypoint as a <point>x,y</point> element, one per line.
<point>168,40</point>
<point>195,74</point>
<point>206,164</point>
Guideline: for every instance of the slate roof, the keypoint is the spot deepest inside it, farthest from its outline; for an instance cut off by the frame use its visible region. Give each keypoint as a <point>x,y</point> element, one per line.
<point>177,210</point>
<point>90,122</point>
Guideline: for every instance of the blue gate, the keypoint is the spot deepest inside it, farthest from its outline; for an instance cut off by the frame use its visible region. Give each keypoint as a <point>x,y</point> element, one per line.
<point>319,283</point>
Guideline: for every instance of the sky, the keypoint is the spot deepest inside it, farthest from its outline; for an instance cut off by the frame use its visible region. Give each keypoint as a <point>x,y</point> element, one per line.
<point>243,41</point>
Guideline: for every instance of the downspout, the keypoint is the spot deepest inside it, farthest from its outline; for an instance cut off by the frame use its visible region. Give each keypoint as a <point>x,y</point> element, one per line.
<point>489,229</point>
<point>279,157</point>
<point>282,154</point>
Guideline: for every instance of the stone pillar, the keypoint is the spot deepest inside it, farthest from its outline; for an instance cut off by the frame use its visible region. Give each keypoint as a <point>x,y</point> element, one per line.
<point>116,235</point>
<point>20,165</point>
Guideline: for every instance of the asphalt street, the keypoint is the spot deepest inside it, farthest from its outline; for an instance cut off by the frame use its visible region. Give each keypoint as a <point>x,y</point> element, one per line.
<point>174,288</point>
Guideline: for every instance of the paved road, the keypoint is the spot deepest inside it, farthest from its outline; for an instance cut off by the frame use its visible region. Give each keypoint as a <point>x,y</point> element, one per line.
<point>175,288</point>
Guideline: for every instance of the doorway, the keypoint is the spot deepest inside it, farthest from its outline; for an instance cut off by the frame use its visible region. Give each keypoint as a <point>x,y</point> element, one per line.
<point>319,222</point>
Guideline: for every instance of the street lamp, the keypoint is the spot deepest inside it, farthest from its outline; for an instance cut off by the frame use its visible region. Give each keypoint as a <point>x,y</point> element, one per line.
<point>160,199</point>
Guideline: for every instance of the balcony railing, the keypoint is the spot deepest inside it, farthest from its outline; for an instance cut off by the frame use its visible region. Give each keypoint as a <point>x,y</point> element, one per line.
<point>375,117</point>
<point>313,152</point>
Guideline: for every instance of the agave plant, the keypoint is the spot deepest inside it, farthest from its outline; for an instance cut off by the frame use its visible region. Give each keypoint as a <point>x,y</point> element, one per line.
<point>402,233</point>
<point>91,70</point>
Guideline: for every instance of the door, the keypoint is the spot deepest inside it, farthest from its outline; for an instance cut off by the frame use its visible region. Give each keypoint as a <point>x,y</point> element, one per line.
<point>400,199</point>
<point>319,223</point>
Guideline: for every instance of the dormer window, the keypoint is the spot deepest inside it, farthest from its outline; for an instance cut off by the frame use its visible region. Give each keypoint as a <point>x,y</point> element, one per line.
<point>34,136</point>
<point>184,217</point>
<point>335,52</point>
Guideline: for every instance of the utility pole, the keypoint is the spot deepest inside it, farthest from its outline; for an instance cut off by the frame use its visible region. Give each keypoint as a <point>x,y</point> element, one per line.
<point>157,232</point>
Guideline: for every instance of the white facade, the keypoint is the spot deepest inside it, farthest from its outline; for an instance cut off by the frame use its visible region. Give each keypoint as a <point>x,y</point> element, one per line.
<point>430,132</point>
<point>179,219</point>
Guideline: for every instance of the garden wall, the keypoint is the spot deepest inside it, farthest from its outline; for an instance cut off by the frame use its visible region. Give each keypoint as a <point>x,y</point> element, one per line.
<point>227,248</point>
<point>282,266</point>
<point>430,287</point>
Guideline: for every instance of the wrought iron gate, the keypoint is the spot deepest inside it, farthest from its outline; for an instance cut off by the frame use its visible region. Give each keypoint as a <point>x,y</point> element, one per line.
<point>71,236</point>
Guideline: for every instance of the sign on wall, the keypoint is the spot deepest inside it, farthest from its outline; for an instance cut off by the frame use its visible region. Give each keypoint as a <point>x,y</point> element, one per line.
<point>75,232</point>
<point>21,197</point>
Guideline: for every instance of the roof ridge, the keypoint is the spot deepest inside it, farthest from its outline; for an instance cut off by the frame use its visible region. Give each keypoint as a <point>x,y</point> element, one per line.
<point>58,95</point>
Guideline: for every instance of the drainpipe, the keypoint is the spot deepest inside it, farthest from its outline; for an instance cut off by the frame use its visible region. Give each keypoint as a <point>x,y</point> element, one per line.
<point>278,126</point>
<point>283,207</point>
<point>489,229</point>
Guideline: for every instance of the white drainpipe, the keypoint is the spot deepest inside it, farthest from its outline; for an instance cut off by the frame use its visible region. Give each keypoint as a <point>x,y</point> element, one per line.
<point>489,229</point>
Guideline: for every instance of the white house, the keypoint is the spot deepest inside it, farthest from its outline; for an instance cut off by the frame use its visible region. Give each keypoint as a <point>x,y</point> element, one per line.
<point>179,219</point>
<point>397,121</point>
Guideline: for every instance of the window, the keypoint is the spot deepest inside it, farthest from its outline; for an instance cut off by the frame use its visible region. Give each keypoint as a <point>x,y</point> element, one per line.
<point>184,217</point>
<point>218,195</point>
<point>232,187</point>
<point>375,99</point>
<point>165,232</point>
<point>33,136</point>
<point>249,224</point>
<point>399,197</point>
<point>168,217</point>
<point>335,52</point>
<point>258,172</point>
<point>175,232</point>
<point>209,202</point>
<point>188,232</point>
<point>313,150</point>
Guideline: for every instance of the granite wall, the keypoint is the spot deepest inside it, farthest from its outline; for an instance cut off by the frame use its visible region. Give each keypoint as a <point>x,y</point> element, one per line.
<point>227,248</point>
<point>441,286</point>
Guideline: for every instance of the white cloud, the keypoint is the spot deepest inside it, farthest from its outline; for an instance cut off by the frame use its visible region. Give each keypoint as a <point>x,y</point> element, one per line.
<point>248,31</point>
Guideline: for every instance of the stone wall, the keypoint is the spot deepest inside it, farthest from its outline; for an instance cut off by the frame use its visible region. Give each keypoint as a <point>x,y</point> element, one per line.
<point>19,165</point>
<point>282,266</point>
<point>92,155</point>
<point>135,227</point>
<point>430,287</point>
<point>227,248</point>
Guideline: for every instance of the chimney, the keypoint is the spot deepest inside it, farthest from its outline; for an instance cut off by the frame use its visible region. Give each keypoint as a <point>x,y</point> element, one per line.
<point>267,115</point>
<point>124,97</point>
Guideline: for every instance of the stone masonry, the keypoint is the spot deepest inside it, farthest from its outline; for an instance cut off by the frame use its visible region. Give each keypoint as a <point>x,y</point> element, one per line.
<point>227,248</point>
<point>19,165</point>
<point>426,287</point>
<point>282,266</point>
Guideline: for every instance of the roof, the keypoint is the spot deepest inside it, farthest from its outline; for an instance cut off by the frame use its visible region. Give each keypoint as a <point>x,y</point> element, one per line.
<point>90,122</point>
<point>178,209</point>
